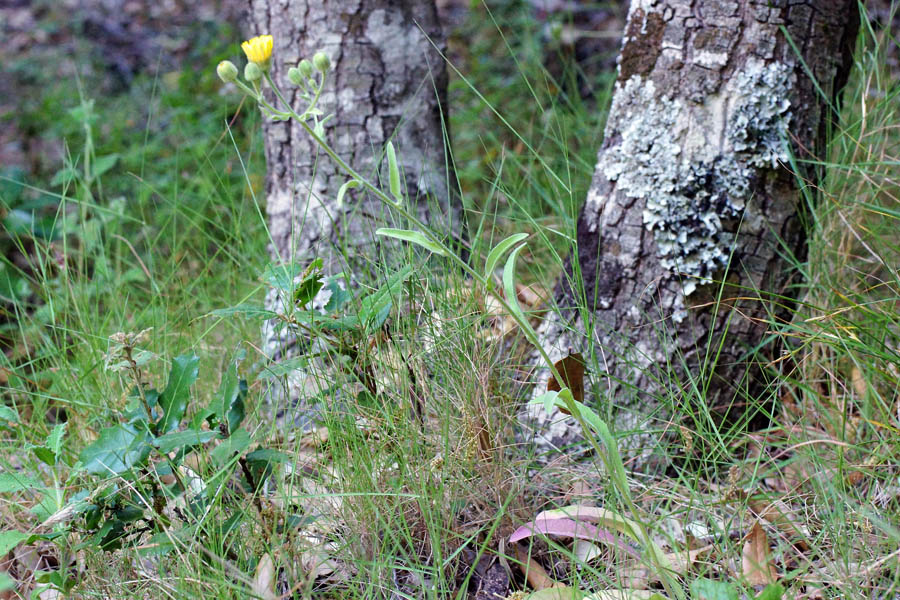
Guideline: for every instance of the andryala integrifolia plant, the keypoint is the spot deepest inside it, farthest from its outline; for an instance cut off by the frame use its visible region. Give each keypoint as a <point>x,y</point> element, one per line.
<point>310,77</point>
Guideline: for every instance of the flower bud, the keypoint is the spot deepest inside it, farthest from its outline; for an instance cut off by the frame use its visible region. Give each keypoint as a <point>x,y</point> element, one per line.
<point>321,61</point>
<point>227,71</point>
<point>252,72</point>
<point>294,76</point>
<point>305,67</point>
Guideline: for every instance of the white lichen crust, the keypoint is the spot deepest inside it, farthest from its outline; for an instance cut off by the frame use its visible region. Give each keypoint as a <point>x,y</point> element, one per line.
<point>692,163</point>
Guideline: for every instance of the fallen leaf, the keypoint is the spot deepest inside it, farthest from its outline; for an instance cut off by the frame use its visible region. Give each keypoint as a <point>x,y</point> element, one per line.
<point>264,580</point>
<point>571,370</point>
<point>781,516</point>
<point>535,574</point>
<point>569,528</point>
<point>757,566</point>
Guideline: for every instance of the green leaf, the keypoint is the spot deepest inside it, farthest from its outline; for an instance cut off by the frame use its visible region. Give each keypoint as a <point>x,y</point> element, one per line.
<point>244,310</point>
<point>228,402</point>
<point>283,367</point>
<point>6,582</point>
<point>54,440</point>
<point>342,191</point>
<point>773,591</point>
<point>174,399</point>
<point>118,449</point>
<point>236,443</point>
<point>14,482</point>
<point>412,236</point>
<point>8,414</point>
<point>394,173</point>
<point>498,251</point>
<point>339,296</point>
<point>180,439</point>
<point>708,589</point>
<point>375,307</point>
<point>10,539</point>
<point>268,456</point>
<point>281,277</point>
<point>102,164</point>
<point>509,287</point>
<point>307,289</point>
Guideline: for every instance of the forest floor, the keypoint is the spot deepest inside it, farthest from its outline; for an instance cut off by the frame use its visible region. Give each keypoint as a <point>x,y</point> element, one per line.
<point>135,262</point>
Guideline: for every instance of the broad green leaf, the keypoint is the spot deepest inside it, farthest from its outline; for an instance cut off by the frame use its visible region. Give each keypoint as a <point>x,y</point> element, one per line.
<point>237,442</point>
<point>557,593</point>
<point>708,589</point>
<point>267,455</point>
<point>10,539</point>
<point>498,251</point>
<point>103,164</point>
<point>6,582</point>
<point>307,289</point>
<point>773,591</point>
<point>179,439</point>
<point>342,191</point>
<point>174,399</point>
<point>339,296</point>
<point>415,237</point>
<point>228,401</point>
<point>283,367</point>
<point>281,277</point>
<point>8,414</point>
<point>118,449</point>
<point>375,307</point>
<point>394,173</point>
<point>244,310</point>
<point>14,482</point>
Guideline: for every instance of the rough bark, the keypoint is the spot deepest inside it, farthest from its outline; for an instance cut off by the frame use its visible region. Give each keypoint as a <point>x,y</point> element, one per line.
<point>691,197</point>
<point>388,82</point>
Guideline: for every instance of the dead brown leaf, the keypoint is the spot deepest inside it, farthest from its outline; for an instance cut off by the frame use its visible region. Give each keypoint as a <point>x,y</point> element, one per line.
<point>535,574</point>
<point>781,516</point>
<point>264,580</point>
<point>757,565</point>
<point>571,370</point>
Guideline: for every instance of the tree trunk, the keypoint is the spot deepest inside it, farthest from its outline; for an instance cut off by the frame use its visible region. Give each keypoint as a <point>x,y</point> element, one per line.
<point>387,82</point>
<point>692,200</point>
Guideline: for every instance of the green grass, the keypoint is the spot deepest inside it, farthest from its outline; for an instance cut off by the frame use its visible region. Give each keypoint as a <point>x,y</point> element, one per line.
<point>172,230</point>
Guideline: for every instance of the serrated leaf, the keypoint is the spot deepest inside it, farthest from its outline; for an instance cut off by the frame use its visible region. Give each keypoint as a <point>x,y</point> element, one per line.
<point>281,277</point>
<point>498,251</point>
<point>307,289</point>
<point>54,440</point>
<point>118,449</point>
<point>414,237</point>
<point>244,310</point>
<point>394,173</point>
<point>283,367</point>
<point>339,296</point>
<point>179,439</point>
<point>174,399</point>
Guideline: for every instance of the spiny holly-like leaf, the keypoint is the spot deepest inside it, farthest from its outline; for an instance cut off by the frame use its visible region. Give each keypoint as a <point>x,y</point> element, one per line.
<point>118,449</point>
<point>228,402</point>
<point>375,308</point>
<point>174,398</point>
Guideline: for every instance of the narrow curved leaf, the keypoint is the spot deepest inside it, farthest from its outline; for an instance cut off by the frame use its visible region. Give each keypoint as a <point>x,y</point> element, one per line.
<point>342,191</point>
<point>412,236</point>
<point>499,250</point>
<point>569,528</point>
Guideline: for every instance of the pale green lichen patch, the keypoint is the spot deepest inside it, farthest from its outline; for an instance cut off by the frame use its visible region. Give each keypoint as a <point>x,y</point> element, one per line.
<point>693,164</point>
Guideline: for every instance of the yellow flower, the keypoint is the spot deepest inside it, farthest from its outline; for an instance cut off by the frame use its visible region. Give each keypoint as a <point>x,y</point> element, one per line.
<point>259,50</point>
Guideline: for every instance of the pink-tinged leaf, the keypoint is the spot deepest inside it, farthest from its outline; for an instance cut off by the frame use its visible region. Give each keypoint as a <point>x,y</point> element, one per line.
<point>569,528</point>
